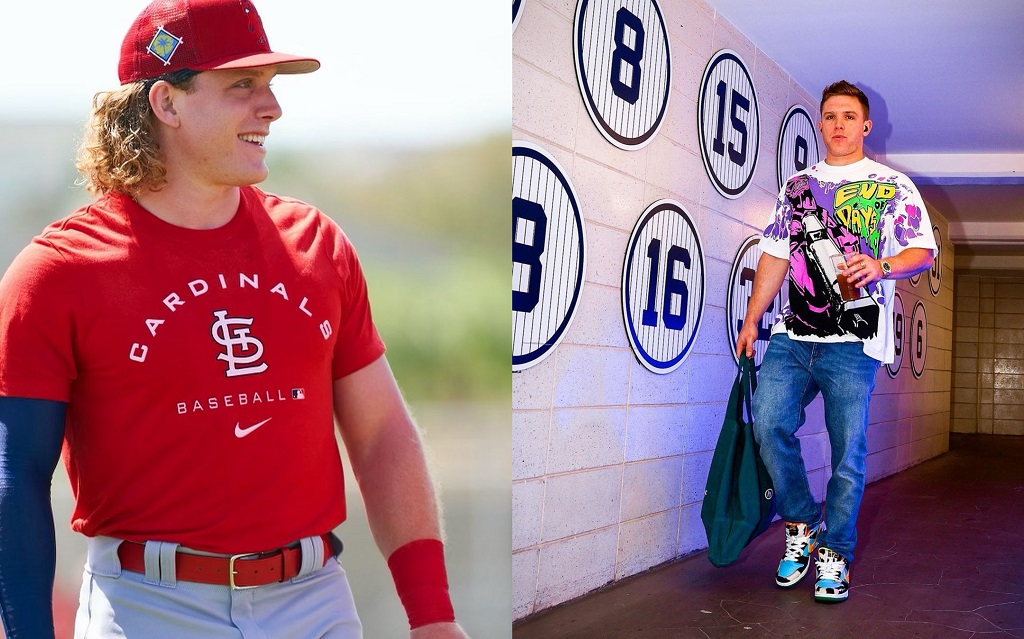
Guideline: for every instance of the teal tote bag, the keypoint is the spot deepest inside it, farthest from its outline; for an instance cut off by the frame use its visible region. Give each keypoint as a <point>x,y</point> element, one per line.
<point>739,499</point>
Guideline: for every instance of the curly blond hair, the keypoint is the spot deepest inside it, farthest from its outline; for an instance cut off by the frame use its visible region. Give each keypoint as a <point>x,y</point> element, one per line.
<point>119,151</point>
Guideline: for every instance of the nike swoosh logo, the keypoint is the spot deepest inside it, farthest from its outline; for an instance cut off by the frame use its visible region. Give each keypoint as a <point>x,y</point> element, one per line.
<point>242,432</point>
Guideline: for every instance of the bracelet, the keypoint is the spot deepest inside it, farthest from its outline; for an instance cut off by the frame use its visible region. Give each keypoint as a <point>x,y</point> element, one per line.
<point>422,582</point>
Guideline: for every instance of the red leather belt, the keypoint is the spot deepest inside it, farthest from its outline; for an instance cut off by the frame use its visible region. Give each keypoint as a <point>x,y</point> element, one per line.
<point>247,570</point>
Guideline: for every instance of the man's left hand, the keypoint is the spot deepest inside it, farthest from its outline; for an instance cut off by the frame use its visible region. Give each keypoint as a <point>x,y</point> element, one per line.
<point>438,631</point>
<point>863,269</point>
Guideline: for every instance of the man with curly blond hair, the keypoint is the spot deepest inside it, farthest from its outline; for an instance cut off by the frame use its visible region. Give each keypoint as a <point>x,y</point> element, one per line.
<point>189,341</point>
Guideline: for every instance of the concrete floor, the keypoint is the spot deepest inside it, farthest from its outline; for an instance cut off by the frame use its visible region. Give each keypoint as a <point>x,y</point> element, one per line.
<point>940,556</point>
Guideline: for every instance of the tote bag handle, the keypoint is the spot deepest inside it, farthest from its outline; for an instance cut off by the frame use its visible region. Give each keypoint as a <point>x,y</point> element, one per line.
<point>745,386</point>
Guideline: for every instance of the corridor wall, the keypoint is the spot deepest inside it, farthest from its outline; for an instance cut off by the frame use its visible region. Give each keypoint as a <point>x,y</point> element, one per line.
<point>609,457</point>
<point>988,353</point>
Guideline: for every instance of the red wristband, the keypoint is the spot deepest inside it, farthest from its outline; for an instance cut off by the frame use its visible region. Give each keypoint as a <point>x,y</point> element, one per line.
<point>422,582</point>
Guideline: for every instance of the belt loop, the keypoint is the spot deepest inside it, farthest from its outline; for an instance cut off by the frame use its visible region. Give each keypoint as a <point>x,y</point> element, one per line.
<point>312,555</point>
<point>159,561</point>
<point>152,562</point>
<point>168,574</point>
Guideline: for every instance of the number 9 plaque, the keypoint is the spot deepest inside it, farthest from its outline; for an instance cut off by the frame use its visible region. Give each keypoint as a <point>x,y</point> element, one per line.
<point>899,327</point>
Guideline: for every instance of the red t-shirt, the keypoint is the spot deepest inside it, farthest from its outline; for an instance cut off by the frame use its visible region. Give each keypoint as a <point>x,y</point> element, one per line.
<point>198,367</point>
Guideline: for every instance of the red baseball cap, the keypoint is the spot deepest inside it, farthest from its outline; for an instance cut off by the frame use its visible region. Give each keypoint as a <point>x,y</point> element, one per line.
<point>170,35</point>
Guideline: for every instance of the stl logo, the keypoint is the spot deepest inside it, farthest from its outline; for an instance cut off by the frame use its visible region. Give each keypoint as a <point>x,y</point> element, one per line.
<point>255,25</point>
<point>163,45</point>
<point>242,351</point>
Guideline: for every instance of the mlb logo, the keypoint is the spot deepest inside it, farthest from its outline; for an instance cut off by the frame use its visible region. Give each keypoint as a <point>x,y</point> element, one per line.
<point>298,393</point>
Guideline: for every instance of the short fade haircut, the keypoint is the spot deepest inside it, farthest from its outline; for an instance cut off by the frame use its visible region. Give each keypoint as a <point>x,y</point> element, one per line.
<point>845,88</point>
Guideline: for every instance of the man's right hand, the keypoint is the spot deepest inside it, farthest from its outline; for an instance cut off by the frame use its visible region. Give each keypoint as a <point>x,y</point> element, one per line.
<point>745,340</point>
<point>771,272</point>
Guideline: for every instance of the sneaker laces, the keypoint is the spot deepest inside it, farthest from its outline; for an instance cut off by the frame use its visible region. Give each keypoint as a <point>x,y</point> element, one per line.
<point>831,569</point>
<point>796,543</point>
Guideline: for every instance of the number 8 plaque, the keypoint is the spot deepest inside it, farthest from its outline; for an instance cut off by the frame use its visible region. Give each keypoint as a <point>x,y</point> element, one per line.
<point>623,66</point>
<point>549,259</point>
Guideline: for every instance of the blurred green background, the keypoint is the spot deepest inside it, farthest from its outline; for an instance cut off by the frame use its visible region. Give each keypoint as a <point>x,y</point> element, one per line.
<point>427,228</point>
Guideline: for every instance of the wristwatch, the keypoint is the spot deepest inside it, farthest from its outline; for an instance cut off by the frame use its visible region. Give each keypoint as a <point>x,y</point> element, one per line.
<point>886,270</point>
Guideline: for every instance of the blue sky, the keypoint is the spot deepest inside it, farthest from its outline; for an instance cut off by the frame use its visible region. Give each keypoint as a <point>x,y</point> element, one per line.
<point>395,72</point>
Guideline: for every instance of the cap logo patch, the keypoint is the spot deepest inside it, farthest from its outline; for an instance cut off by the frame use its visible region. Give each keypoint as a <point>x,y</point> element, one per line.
<point>257,27</point>
<point>163,45</point>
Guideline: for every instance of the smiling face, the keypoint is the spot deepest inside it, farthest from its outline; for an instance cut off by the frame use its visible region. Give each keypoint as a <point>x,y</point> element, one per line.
<point>843,129</point>
<point>222,124</point>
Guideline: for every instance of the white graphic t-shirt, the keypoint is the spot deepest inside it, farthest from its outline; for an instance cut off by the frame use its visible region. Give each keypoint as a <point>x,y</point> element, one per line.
<point>827,210</point>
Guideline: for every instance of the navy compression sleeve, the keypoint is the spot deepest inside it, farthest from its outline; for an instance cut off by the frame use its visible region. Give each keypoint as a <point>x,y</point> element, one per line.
<point>31,431</point>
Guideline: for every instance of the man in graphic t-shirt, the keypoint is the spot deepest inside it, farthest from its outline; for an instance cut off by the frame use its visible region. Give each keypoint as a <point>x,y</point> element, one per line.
<point>847,217</point>
<point>189,340</point>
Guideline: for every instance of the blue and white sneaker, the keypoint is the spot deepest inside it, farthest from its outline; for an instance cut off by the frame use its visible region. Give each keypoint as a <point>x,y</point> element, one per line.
<point>833,576</point>
<point>800,544</point>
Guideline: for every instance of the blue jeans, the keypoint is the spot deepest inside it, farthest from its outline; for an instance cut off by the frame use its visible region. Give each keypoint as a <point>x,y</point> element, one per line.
<point>792,373</point>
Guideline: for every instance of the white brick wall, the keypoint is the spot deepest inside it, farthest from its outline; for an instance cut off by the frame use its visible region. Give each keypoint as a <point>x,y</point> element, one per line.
<point>609,459</point>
